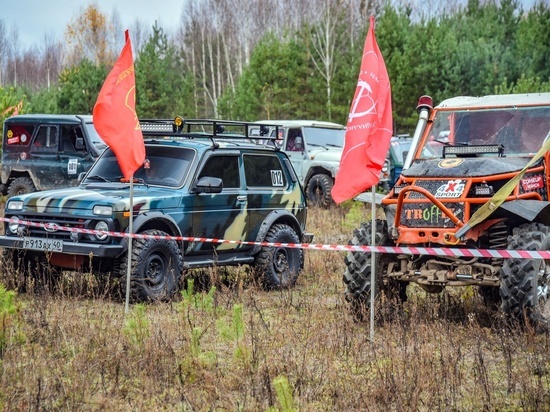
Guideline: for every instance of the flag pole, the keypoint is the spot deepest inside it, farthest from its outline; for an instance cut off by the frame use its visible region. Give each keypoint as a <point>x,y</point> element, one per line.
<point>372,262</point>
<point>130,242</point>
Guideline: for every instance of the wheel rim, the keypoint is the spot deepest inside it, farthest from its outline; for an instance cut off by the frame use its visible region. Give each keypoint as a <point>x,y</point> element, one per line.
<point>156,271</point>
<point>281,263</point>
<point>543,289</point>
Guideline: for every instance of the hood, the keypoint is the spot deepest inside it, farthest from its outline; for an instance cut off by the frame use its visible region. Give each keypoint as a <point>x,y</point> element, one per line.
<point>326,154</point>
<point>84,198</point>
<point>466,167</point>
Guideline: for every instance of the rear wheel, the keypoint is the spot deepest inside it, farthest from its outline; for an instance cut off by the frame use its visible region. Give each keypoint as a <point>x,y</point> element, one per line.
<point>525,283</point>
<point>279,266</point>
<point>357,277</point>
<point>20,186</point>
<point>157,266</point>
<point>318,190</point>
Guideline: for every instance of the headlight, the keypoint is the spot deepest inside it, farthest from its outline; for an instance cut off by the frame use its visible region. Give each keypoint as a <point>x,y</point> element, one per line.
<point>15,205</point>
<point>103,210</point>
<point>386,166</point>
<point>101,225</point>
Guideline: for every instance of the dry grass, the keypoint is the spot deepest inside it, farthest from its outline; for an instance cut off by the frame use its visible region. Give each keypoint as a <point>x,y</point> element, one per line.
<point>241,348</point>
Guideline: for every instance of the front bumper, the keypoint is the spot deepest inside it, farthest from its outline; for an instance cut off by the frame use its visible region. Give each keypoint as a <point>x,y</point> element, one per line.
<point>71,248</point>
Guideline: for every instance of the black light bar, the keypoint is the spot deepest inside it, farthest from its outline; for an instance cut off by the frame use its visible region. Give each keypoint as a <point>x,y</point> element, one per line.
<point>206,128</point>
<point>472,150</point>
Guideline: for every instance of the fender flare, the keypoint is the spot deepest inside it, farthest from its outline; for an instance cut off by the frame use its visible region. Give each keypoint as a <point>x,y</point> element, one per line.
<point>141,221</point>
<point>530,210</point>
<point>281,216</point>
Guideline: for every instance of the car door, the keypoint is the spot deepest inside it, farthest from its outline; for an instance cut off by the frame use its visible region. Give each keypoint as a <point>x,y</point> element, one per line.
<point>73,154</point>
<point>44,161</point>
<point>268,188</point>
<point>296,152</point>
<point>221,215</point>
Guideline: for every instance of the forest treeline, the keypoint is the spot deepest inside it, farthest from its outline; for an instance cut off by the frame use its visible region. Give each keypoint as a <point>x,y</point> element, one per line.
<point>284,59</point>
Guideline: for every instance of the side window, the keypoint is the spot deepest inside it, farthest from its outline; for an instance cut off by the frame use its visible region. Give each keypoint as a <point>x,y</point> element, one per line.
<point>224,167</point>
<point>264,171</point>
<point>69,136</point>
<point>19,134</point>
<point>294,142</point>
<point>46,139</point>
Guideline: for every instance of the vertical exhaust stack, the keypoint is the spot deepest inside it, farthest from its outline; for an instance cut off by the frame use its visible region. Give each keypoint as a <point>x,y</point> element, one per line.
<point>424,108</point>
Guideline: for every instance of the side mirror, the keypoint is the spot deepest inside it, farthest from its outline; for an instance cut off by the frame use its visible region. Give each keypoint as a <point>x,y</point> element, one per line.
<point>81,176</point>
<point>208,184</point>
<point>79,144</point>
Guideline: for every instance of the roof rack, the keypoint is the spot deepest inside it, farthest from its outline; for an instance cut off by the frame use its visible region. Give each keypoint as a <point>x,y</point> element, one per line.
<point>180,128</point>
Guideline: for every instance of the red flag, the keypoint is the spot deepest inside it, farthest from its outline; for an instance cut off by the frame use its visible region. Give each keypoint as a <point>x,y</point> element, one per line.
<point>115,117</point>
<point>370,126</point>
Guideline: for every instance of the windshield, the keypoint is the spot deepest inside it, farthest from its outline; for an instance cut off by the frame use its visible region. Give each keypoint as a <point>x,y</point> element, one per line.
<point>324,137</point>
<point>95,138</point>
<point>519,131</point>
<point>163,166</point>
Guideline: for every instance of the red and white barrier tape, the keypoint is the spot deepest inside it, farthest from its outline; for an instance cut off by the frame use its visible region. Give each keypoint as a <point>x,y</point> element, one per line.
<point>432,251</point>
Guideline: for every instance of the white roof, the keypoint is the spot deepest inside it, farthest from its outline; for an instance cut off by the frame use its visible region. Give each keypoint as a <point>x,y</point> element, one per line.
<point>500,100</point>
<point>302,123</point>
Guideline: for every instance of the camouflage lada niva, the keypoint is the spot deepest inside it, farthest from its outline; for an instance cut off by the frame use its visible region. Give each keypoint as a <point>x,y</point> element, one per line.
<point>200,179</point>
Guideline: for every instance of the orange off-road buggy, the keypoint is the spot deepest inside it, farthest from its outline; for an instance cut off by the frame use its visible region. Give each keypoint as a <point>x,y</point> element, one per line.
<point>463,151</point>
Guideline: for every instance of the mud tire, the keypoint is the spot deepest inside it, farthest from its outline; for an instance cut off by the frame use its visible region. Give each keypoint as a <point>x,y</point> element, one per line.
<point>21,186</point>
<point>279,267</point>
<point>525,283</point>
<point>157,267</point>
<point>318,190</point>
<point>357,276</point>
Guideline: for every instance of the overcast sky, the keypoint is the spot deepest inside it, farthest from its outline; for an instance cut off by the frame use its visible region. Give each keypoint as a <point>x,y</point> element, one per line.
<point>37,18</point>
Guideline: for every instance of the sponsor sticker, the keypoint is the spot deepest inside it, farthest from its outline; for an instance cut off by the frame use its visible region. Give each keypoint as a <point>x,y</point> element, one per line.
<point>531,183</point>
<point>448,163</point>
<point>451,189</point>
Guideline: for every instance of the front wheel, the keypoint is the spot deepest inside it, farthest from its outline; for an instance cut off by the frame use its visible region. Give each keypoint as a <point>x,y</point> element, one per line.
<point>279,266</point>
<point>525,283</point>
<point>156,267</point>
<point>357,277</point>
<point>318,190</point>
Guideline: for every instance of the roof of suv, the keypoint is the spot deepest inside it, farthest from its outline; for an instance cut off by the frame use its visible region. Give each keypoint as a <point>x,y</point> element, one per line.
<point>51,117</point>
<point>303,123</point>
<point>501,100</point>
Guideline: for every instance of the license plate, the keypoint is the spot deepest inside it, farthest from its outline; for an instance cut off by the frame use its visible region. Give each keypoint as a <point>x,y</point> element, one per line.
<point>47,245</point>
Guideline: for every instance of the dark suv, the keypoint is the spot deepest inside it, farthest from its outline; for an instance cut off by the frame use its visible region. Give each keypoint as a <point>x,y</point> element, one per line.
<point>42,151</point>
<point>201,180</point>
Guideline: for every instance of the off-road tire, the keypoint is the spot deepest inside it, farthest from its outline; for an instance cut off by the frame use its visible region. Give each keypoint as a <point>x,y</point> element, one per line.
<point>357,277</point>
<point>157,267</point>
<point>318,190</point>
<point>278,266</point>
<point>525,283</point>
<point>21,186</point>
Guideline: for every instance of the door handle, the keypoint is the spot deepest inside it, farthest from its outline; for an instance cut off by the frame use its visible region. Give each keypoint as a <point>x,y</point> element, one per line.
<point>241,198</point>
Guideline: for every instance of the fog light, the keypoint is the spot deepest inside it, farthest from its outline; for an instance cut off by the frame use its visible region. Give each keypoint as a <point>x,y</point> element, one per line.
<point>483,190</point>
<point>13,226</point>
<point>101,226</point>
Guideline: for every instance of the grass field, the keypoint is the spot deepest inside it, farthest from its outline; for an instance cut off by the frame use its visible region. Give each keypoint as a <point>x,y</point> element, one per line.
<point>235,347</point>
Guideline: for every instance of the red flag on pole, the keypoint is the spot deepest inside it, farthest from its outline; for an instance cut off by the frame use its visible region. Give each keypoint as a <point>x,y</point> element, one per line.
<point>370,126</point>
<point>115,117</point>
